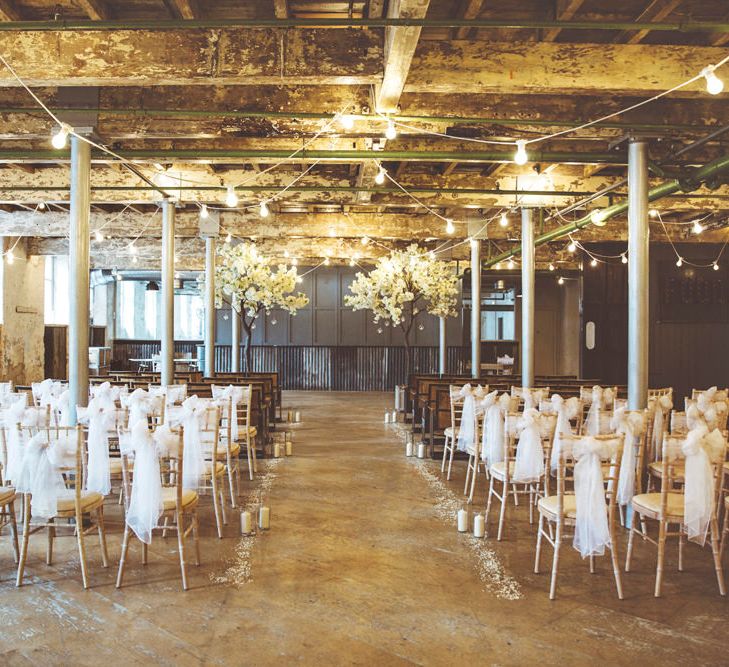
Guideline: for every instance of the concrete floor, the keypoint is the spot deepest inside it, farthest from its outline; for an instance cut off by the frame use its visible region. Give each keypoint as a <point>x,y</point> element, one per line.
<point>359,569</point>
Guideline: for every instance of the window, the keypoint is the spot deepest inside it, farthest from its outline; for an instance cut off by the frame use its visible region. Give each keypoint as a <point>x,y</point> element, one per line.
<point>56,290</point>
<point>497,315</point>
<point>189,316</point>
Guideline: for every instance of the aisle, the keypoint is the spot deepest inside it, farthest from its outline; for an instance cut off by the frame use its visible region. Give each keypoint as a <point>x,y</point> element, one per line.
<point>358,568</point>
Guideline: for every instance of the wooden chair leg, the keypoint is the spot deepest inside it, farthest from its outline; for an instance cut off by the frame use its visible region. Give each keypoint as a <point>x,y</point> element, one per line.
<point>715,553</point>
<point>592,564</point>
<point>616,565</point>
<point>468,475</point>
<point>253,452</point>
<point>661,557</point>
<point>101,527</point>
<point>488,504</point>
<point>230,484</point>
<point>181,546</point>
<point>724,532</point>
<point>216,509</point>
<point>145,553</point>
<point>14,531</point>
<point>82,550</point>
<point>26,536</point>
<point>123,557</point>
<point>250,461</point>
<point>631,535</point>
<point>681,540</point>
<point>473,479</point>
<point>450,462</point>
<point>50,534</point>
<point>221,491</point>
<point>445,453</point>
<point>502,513</point>
<point>196,535</point>
<point>555,563</point>
<point>539,543</point>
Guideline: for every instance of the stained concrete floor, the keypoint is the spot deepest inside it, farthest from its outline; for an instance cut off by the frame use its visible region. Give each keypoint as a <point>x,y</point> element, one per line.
<point>358,569</point>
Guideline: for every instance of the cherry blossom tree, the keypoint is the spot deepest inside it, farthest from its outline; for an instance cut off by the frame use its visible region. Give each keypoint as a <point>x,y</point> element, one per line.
<point>246,280</point>
<point>401,285</point>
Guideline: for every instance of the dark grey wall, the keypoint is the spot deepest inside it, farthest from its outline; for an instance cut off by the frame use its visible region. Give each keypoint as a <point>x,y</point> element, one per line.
<point>327,321</point>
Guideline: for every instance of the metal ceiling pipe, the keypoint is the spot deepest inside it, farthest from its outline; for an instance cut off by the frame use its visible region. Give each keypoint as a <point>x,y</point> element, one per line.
<point>682,184</point>
<point>65,25</point>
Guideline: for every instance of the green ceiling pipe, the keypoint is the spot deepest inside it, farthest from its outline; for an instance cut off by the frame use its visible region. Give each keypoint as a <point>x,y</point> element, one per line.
<point>514,24</point>
<point>686,183</point>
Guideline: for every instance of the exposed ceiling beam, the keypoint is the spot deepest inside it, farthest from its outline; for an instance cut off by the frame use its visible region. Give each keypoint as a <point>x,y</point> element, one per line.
<point>720,39</point>
<point>375,9</point>
<point>656,10</point>
<point>471,10</point>
<point>8,11</point>
<point>184,9</point>
<point>400,44</point>
<point>460,67</point>
<point>236,56</point>
<point>281,9</point>
<point>565,10</point>
<point>97,10</point>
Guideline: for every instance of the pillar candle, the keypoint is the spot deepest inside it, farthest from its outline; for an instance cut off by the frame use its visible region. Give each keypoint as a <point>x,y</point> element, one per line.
<point>264,518</point>
<point>297,416</point>
<point>387,418</point>
<point>246,523</point>
<point>479,526</point>
<point>290,416</point>
<point>394,416</point>
<point>289,448</point>
<point>276,450</point>
<point>421,450</point>
<point>462,521</point>
<point>409,448</point>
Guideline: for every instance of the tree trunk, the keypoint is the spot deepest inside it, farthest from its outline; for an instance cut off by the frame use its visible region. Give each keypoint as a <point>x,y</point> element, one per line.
<point>247,352</point>
<point>408,351</point>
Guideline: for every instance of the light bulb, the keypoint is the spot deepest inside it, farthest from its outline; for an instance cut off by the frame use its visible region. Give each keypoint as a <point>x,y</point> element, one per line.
<point>299,279</point>
<point>697,227</point>
<point>231,198</point>
<point>42,206</point>
<point>351,262</point>
<point>391,131</point>
<point>326,261</point>
<point>10,257</point>
<point>364,240</point>
<point>497,266</point>
<point>98,236</point>
<point>551,266</point>
<point>294,262</point>
<point>450,228</point>
<point>228,238</point>
<point>560,281</point>
<point>653,213</point>
<point>347,121</point>
<point>132,248</point>
<point>60,137</point>
<point>380,177</point>
<point>521,157</point>
<point>679,262</point>
<point>598,218</point>
<point>134,259</point>
<point>504,222</point>
<point>714,85</point>
<point>715,266</point>
<point>204,212</point>
<point>593,263</point>
<point>118,276</point>
<point>510,264</point>
<point>263,210</point>
<point>572,246</point>
<point>286,253</point>
<point>623,259</point>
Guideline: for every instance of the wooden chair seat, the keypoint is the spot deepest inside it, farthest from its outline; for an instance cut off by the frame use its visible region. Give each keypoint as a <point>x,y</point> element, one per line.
<point>450,432</point>
<point>189,498</point>
<point>548,506</point>
<point>7,495</point>
<point>498,470</point>
<point>656,470</point>
<point>115,465</point>
<point>90,500</point>
<point>219,468</point>
<point>649,504</point>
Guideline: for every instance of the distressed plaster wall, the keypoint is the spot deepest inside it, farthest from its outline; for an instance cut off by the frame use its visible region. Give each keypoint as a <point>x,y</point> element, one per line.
<point>21,337</point>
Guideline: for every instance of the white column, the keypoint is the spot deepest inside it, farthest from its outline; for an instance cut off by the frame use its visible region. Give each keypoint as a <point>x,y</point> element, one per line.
<point>475,308</point>
<point>78,265</point>
<point>442,345</point>
<point>638,274</point>
<point>527,297</point>
<point>167,337</point>
<point>209,307</point>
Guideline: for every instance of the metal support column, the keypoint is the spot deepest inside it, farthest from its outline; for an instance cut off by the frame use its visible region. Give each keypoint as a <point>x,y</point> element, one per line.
<point>167,338</point>
<point>78,265</point>
<point>209,307</point>
<point>442,345</point>
<point>527,297</point>
<point>235,341</point>
<point>638,272</point>
<point>475,308</point>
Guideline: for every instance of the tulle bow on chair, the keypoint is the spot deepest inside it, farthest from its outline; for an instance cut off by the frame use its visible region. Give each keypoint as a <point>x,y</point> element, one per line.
<point>592,531</point>
<point>659,407</point>
<point>236,395</point>
<point>633,427</point>
<point>467,427</point>
<point>190,416</point>
<point>99,419</point>
<point>492,439</point>
<point>533,398</point>
<point>602,398</point>
<point>565,410</point>
<point>701,448</point>
<point>529,462</point>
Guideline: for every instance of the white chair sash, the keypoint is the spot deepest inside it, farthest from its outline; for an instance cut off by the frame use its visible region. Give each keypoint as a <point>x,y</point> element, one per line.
<point>529,463</point>
<point>467,426</point>
<point>140,404</point>
<point>533,398</point>
<point>602,398</point>
<point>700,448</point>
<point>236,395</point>
<point>492,440</point>
<point>660,407</point>
<point>99,420</point>
<point>565,410</point>
<point>190,417</point>
<point>632,426</point>
<point>592,532</point>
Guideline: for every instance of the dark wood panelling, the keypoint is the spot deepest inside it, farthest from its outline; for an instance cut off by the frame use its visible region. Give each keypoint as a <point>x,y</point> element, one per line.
<point>683,354</point>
